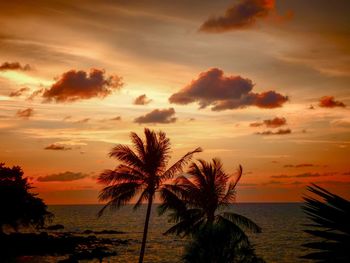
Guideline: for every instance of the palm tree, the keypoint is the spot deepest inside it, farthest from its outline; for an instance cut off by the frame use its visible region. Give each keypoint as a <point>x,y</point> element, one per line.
<point>331,217</point>
<point>198,200</point>
<point>141,173</point>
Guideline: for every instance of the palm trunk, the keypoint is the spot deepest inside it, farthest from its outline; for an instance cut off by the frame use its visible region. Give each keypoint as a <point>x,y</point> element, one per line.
<point>145,229</point>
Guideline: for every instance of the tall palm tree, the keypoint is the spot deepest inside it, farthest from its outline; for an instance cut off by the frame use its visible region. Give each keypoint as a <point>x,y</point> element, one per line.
<point>199,198</point>
<point>331,225</point>
<point>142,172</point>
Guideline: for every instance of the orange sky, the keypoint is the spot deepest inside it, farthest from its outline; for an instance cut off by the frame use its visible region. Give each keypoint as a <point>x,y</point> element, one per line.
<point>260,83</point>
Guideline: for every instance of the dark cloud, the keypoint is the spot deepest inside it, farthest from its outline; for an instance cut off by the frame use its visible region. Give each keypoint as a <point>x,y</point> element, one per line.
<point>330,102</point>
<point>279,132</point>
<point>221,92</point>
<point>79,85</point>
<point>273,123</point>
<point>243,14</point>
<point>18,92</point>
<point>142,100</point>
<point>158,116</point>
<point>57,147</point>
<point>303,175</point>
<point>14,66</point>
<point>299,165</point>
<point>62,177</point>
<point>346,173</point>
<point>25,114</point>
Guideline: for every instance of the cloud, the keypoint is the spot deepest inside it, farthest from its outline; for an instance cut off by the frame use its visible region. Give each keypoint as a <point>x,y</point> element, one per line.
<point>299,165</point>
<point>79,85</point>
<point>35,94</point>
<point>118,118</point>
<point>62,177</point>
<point>329,102</point>
<point>14,66</point>
<point>303,175</point>
<point>86,120</point>
<point>25,114</point>
<point>243,14</point>
<point>57,147</point>
<point>279,132</point>
<point>273,123</point>
<point>158,116</point>
<point>18,92</point>
<point>142,100</point>
<point>225,92</point>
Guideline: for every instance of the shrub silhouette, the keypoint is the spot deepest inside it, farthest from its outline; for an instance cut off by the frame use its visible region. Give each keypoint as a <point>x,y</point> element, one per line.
<point>19,207</point>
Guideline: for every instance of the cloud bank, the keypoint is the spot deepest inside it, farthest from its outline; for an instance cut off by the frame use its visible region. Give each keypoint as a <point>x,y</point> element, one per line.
<point>14,66</point>
<point>142,100</point>
<point>158,116</point>
<point>212,88</point>
<point>330,102</point>
<point>81,85</point>
<point>241,15</point>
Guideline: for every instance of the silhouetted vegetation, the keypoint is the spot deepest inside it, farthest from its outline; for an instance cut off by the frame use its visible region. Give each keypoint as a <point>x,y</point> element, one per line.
<point>142,172</point>
<point>331,224</point>
<point>219,243</point>
<point>196,204</point>
<point>19,207</point>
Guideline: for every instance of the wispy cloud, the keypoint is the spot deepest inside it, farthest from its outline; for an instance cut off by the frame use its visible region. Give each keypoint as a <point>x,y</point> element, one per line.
<point>25,114</point>
<point>57,147</point>
<point>270,123</point>
<point>279,132</point>
<point>62,177</point>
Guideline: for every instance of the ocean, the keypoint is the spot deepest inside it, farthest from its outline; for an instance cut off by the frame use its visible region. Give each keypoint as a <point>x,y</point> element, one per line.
<point>280,241</point>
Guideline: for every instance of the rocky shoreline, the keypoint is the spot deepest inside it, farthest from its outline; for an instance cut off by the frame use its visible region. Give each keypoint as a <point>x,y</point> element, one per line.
<point>74,246</point>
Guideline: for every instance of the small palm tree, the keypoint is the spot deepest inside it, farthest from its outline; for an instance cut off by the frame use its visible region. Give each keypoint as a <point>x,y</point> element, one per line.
<point>331,224</point>
<point>141,173</point>
<point>198,200</point>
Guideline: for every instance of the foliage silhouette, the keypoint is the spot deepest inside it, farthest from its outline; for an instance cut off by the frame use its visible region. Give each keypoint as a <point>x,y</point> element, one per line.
<point>331,222</point>
<point>218,243</point>
<point>19,207</point>
<point>196,203</point>
<point>141,173</point>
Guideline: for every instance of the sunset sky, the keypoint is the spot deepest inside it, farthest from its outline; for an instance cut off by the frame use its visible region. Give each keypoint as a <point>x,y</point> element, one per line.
<point>260,83</point>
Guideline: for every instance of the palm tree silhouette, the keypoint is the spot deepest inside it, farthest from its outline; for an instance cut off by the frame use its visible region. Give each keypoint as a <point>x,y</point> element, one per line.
<point>331,222</point>
<point>198,200</point>
<point>141,173</point>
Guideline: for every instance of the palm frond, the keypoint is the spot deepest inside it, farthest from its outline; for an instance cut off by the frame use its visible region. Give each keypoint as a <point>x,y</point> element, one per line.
<point>178,166</point>
<point>138,145</point>
<point>331,216</point>
<point>118,195</point>
<point>242,221</point>
<point>126,155</point>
